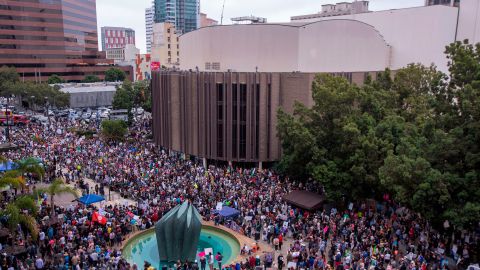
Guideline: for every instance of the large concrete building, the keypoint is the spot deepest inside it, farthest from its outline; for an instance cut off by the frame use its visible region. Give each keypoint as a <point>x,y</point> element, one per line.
<point>205,21</point>
<point>88,95</point>
<point>165,45</point>
<point>222,105</point>
<point>149,21</point>
<point>117,37</point>
<point>41,38</point>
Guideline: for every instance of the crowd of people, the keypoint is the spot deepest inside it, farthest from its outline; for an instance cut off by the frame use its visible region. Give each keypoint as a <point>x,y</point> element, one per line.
<point>383,236</point>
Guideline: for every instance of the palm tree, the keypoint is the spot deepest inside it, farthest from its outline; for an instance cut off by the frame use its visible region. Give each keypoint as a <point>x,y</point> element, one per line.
<point>31,165</point>
<point>15,214</point>
<point>12,178</point>
<point>55,188</point>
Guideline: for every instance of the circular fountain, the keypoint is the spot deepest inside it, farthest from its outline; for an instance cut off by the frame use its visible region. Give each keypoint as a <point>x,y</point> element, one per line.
<point>143,247</point>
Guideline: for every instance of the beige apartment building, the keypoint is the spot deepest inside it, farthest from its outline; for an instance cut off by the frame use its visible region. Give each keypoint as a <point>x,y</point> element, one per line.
<point>165,45</point>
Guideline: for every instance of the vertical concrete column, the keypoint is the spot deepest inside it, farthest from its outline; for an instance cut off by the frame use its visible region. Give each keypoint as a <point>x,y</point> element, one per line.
<point>205,163</point>
<point>260,165</point>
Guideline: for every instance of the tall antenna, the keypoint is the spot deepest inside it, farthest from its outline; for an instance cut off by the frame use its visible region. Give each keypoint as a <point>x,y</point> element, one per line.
<point>223,9</point>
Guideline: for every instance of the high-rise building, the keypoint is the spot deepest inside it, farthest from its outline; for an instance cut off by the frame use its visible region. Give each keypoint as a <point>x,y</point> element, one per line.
<point>205,21</point>
<point>41,38</point>
<point>165,46</point>
<point>149,20</point>
<point>185,14</point>
<point>117,37</point>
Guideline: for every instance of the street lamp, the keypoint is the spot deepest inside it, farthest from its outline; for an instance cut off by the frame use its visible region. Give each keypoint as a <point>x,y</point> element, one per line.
<point>47,106</point>
<point>31,102</point>
<point>7,131</point>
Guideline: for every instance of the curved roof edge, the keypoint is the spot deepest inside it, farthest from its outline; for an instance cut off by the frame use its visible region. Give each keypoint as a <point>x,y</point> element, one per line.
<point>293,25</point>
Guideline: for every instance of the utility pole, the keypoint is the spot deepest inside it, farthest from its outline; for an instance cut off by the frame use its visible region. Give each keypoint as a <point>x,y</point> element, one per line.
<point>223,9</point>
<point>7,131</point>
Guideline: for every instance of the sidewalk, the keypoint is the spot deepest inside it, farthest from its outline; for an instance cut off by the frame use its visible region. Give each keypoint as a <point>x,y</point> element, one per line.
<point>111,197</point>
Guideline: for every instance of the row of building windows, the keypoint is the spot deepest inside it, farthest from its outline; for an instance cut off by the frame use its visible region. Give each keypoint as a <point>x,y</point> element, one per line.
<point>49,65</point>
<point>212,66</point>
<point>129,40</point>
<point>239,99</point>
<point>49,11</point>
<point>45,56</point>
<point>48,38</point>
<point>46,20</point>
<point>46,47</point>
<point>49,29</point>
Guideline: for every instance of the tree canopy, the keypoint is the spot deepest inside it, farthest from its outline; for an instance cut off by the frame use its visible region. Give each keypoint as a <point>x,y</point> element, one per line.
<point>413,135</point>
<point>91,79</point>
<point>115,75</point>
<point>114,130</point>
<point>29,92</point>
<point>54,79</point>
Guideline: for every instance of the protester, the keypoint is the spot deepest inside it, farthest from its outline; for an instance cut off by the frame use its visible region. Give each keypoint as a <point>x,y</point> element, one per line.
<point>384,236</point>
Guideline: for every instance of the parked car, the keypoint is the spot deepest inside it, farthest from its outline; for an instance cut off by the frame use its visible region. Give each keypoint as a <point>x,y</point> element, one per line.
<point>87,115</point>
<point>139,111</point>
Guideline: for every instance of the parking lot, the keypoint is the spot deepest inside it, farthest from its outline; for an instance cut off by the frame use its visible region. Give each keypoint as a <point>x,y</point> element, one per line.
<point>18,116</point>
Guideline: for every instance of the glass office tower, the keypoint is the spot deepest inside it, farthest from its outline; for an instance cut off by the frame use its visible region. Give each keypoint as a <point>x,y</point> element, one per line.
<point>44,37</point>
<point>185,14</point>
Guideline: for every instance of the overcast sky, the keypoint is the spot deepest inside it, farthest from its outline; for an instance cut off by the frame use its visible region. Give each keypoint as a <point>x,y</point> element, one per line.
<point>131,13</point>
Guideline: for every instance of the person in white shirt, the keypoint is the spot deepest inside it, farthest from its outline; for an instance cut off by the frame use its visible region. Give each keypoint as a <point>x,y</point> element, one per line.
<point>210,261</point>
<point>39,263</point>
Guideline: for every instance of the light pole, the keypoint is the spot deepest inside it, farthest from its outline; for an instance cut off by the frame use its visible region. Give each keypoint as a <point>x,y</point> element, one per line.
<point>7,131</point>
<point>47,106</point>
<point>31,102</point>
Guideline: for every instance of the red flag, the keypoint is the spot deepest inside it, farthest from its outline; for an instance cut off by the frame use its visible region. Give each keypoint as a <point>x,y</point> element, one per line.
<point>96,217</point>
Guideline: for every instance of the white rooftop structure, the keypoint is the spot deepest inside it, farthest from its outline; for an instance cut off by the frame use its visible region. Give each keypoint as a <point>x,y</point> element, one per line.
<point>249,19</point>
<point>360,42</point>
<point>88,87</point>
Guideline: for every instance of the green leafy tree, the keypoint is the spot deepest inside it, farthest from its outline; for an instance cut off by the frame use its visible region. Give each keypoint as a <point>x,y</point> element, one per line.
<point>8,75</point>
<point>124,97</point>
<point>114,130</point>
<point>21,211</point>
<point>91,79</point>
<point>55,79</point>
<point>57,187</point>
<point>31,165</point>
<point>115,75</point>
<point>414,135</point>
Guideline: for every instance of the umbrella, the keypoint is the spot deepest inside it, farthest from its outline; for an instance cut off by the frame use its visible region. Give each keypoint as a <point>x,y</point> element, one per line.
<point>201,254</point>
<point>8,166</point>
<point>90,198</point>
<point>227,212</point>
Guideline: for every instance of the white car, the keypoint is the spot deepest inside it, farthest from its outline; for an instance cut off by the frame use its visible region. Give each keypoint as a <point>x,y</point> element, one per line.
<point>87,115</point>
<point>139,111</point>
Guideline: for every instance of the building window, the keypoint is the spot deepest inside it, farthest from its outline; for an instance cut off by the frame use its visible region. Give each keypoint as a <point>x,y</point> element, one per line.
<point>216,66</point>
<point>234,120</point>
<point>257,121</point>
<point>243,121</point>
<point>208,66</point>
<point>219,120</point>
<point>168,30</point>
<point>269,108</point>
<point>168,42</point>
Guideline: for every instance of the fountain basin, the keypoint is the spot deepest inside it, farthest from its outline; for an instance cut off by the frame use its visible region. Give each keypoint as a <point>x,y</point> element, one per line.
<point>143,247</point>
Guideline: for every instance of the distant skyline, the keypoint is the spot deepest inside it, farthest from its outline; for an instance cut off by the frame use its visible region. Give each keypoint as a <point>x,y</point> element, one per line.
<point>131,14</point>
